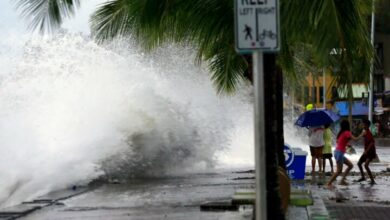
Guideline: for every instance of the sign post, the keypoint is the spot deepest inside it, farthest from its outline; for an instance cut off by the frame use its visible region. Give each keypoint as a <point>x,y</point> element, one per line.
<point>260,157</point>
<point>257,31</point>
<point>257,25</point>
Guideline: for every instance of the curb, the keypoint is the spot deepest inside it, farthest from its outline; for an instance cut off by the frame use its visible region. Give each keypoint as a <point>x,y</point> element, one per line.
<point>52,198</point>
<point>306,204</point>
<point>318,210</point>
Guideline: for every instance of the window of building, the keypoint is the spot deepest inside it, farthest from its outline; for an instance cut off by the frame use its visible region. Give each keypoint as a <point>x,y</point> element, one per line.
<point>314,94</point>
<point>378,83</point>
<point>378,67</point>
<point>306,94</point>
<point>321,94</point>
<point>335,93</point>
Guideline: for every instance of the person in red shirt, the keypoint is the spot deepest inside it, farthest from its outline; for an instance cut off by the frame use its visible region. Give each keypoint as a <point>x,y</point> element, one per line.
<point>369,152</point>
<point>343,137</point>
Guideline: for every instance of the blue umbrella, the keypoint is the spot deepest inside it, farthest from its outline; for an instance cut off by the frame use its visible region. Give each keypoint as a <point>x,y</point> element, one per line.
<point>316,117</point>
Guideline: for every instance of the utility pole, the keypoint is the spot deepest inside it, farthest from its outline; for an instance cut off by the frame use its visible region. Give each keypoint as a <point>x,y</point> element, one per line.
<point>323,88</point>
<point>371,86</point>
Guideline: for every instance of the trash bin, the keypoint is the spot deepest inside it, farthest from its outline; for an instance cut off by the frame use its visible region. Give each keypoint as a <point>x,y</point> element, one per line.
<point>295,159</point>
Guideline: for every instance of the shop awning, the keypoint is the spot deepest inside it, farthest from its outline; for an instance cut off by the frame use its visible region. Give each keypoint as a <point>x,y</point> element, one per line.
<point>358,108</point>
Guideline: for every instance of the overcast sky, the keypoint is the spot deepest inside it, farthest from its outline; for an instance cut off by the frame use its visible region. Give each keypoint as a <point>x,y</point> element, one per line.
<point>14,33</point>
<point>11,23</point>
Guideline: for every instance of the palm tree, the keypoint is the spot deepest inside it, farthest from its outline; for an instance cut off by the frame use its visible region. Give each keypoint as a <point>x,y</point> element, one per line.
<point>346,22</point>
<point>208,26</point>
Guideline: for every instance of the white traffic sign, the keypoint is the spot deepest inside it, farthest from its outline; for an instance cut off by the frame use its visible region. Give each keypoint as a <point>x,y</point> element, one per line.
<point>257,25</point>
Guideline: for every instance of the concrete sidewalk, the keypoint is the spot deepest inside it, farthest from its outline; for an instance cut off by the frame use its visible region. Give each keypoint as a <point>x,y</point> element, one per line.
<point>358,200</point>
<point>383,142</point>
<point>184,197</point>
<point>174,198</point>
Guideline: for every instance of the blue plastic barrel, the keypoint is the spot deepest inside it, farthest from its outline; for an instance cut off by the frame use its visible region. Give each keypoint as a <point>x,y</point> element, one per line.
<point>295,159</point>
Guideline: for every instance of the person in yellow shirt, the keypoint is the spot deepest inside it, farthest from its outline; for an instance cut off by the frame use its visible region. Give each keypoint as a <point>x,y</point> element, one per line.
<point>327,150</point>
<point>309,107</point>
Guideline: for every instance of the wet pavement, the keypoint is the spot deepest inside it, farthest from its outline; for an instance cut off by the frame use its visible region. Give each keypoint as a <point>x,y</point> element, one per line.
<point>358,200</point>
<point>168,198</point>
<point>359,211</point>
<point>180,197</point>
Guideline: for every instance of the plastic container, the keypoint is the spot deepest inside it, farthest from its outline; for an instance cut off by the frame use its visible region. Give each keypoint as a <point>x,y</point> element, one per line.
<point>295,162</point>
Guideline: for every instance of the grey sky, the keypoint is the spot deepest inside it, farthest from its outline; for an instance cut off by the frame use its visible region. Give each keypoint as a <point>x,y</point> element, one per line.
<point>14,33</point>
<point>11,23</point>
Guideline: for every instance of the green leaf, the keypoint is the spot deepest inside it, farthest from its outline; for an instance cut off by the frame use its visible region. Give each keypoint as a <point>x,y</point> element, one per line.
<point>46,14</point>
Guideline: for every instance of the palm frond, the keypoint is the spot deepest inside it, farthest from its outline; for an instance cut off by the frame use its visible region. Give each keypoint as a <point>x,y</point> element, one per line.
<point>150,22</point>
<point>329,25</point>
<point>112,19</point>
<point>207,24</point>
<point>226,66</point>
<point>46,14</point>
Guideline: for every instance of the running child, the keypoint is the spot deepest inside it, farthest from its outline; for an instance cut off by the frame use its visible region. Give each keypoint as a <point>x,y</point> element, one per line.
<point>369,151</point>
<point>343,137</point>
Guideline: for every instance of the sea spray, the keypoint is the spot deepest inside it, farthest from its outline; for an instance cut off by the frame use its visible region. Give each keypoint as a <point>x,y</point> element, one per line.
<point>72,111</point>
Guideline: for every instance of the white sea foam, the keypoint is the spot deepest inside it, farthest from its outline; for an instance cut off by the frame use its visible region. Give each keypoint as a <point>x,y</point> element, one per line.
<point>72,111</point>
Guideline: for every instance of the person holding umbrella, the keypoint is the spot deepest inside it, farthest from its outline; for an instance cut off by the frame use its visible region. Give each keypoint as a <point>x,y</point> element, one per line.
<point>314,120</point>
<point>316,143</point>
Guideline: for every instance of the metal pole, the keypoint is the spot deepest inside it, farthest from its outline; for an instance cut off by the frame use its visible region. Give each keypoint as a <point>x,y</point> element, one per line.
<point>261,195</point>
<point>314,91</point>
<point>323,88</point>
<point>371,87</point>
<point>292,104</point>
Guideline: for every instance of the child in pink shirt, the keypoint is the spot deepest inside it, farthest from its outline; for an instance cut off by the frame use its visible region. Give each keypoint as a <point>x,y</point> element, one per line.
<point>343,137</point>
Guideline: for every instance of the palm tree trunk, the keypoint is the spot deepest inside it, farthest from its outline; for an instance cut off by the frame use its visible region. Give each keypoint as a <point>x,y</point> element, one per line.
<point>274,136</point>
<point>274,140</point>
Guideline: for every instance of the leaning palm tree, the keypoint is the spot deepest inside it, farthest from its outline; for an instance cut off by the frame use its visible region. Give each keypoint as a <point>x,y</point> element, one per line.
<point>208,26</point>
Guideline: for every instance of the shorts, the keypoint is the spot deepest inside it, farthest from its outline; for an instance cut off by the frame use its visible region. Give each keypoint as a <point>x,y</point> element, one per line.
<point>327,156</point>
<point>339,156</point>
<point>369,156</point>
<point>316,151</point>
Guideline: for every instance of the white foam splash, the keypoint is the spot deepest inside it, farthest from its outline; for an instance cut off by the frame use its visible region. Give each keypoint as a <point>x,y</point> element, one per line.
<point>72,111</point>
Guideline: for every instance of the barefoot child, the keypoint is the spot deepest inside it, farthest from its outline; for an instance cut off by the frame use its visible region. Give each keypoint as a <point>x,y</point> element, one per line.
<point>369,151</point>
<point>343,137</point>
<point>327,151</point>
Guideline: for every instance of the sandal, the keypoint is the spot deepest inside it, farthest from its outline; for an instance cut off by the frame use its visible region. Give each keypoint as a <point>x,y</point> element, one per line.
<point>330,187</point>
<point>361,179</point>
<point>343,183</point>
